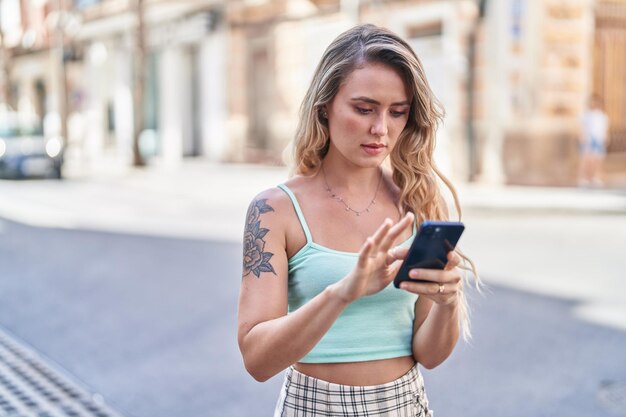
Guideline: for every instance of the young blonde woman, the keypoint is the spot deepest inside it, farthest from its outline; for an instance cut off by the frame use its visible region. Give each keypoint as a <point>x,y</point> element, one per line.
<point>321,250</point>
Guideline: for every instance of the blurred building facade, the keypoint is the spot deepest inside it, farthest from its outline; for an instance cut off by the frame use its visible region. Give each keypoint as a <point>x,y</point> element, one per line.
<point>541,62</point>
<point>224,79</point>
<point>78,65</point>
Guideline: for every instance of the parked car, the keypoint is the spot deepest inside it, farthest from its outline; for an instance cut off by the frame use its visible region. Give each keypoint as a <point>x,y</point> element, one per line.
<point>24,149</point>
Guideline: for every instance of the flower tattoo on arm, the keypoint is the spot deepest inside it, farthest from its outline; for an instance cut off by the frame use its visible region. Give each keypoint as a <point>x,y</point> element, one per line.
<point>255,260</point>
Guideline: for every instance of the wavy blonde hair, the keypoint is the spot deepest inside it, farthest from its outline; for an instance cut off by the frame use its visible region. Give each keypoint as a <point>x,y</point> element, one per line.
<point>411,160</point>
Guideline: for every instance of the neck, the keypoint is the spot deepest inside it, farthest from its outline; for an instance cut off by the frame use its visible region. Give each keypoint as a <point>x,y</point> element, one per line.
<point>350,180</point>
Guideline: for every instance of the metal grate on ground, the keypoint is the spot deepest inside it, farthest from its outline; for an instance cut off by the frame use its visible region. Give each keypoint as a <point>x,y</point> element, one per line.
<point>29,387</point>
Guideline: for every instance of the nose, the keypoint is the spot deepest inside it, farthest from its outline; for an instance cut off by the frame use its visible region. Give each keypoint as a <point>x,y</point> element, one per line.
<point>379,128</point>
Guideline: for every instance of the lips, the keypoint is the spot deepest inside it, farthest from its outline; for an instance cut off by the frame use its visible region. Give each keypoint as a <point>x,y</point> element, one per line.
<point>373,148</point>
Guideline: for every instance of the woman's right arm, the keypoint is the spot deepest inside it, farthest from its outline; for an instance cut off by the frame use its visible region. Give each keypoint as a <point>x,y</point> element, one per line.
<point>269,339</point>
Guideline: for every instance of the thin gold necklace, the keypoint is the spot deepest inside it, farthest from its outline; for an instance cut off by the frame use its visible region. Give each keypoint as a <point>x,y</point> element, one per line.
<point>342,201</point>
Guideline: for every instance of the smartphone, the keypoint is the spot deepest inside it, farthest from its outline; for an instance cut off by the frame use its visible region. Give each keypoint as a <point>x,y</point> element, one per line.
<point>430,248</point>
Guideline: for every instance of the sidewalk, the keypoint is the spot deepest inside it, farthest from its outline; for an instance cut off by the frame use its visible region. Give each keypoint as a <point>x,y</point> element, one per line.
<point>201,200</point>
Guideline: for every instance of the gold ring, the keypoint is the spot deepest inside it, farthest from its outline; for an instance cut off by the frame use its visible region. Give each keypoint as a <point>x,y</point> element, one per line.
<point>441,288</point>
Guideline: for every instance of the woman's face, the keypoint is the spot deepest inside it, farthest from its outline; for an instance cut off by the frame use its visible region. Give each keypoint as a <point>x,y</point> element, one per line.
<point>368,114</point>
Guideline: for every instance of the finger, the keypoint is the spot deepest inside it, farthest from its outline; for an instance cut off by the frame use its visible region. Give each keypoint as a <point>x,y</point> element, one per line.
<point>430,288</point>
<point>435,275</point>
<point>391,256</point>
<point>399,227</point>
<point>396,230</point>
<point>401,252</point>
<point>396,253</point>
<point>453,260</point>
<point>366,251</point>
<point>379,234</point>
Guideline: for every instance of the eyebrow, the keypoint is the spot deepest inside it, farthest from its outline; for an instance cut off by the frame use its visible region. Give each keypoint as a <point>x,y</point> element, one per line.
<point>372,101</point>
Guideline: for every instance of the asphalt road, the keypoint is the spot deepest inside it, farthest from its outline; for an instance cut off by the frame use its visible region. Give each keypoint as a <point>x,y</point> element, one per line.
<point>149,323</point>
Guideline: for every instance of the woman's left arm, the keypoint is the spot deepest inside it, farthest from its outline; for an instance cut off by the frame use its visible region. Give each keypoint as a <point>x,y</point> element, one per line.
<point>436,324</point>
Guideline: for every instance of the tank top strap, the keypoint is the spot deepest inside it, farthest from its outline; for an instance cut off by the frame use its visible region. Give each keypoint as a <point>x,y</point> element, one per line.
<point>298,210</point>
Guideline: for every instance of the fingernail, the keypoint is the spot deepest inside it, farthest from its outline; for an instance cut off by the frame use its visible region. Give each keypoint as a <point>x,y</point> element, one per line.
<point>414,273</point>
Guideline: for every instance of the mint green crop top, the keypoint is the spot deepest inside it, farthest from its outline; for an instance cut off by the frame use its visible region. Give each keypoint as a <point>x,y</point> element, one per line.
<point>374,327</point>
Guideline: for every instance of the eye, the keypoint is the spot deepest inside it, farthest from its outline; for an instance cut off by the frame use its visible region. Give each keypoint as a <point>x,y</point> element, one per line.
<point>363,110</point>
<point>398,113</point>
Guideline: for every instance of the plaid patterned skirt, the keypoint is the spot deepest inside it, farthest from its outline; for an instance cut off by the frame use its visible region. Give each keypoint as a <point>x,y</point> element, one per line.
<point>303,395</point>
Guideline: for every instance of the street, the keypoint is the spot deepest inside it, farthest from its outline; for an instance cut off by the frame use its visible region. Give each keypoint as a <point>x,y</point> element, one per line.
<point>134,136</point>
<point>149,322</point>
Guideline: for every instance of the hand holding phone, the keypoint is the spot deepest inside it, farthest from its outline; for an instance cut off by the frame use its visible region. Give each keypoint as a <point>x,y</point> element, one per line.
<point>430,248</point>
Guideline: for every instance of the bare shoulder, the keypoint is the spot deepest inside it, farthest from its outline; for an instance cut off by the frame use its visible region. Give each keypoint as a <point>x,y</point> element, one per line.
<point>301,183</point>
<point>268,206</point>
<point>274,209</point>
<point>274,194</point>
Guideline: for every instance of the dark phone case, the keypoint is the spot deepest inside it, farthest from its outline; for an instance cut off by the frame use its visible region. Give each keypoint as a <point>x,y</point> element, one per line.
<point>430,248</point>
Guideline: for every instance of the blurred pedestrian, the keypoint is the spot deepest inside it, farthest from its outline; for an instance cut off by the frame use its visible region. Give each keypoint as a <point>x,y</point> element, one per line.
<point>593,142</point>
<point>321,250</point>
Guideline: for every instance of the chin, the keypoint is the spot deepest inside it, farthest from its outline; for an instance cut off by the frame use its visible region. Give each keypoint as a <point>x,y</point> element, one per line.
<point>371,162</point>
